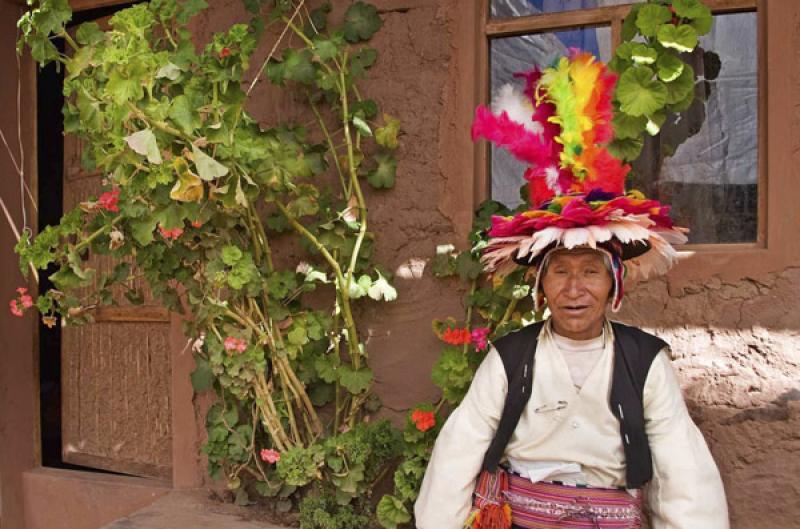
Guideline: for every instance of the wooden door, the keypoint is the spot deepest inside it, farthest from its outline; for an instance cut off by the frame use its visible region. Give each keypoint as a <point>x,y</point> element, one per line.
<point>115,374</point>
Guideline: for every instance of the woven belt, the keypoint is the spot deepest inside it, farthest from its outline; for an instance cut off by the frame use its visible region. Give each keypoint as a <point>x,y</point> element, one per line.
<point>548,505</point>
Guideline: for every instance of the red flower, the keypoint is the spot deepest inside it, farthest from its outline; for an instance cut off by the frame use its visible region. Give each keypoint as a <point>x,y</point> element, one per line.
<point>423,420</point>
<point>224,53</point>
<point>14,307</point>
<point>270,456</point>
<point>196,224</point>
<point>479,337</point>
<point>170,234</point>
<point>234,344</point>
<point>109,200</point>
<point>456,336</point>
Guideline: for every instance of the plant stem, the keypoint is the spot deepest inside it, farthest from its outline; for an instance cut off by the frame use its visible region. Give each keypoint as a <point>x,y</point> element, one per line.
<point>331,147</point>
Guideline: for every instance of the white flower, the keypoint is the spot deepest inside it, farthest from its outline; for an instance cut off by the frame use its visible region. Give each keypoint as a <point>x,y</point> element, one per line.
<point>382,289</point>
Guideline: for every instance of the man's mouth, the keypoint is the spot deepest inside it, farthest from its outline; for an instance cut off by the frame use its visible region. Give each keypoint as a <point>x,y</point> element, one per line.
<point>574,309</point>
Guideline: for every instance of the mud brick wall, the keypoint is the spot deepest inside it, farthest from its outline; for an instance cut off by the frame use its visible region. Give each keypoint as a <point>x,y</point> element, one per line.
<point>735,343</point>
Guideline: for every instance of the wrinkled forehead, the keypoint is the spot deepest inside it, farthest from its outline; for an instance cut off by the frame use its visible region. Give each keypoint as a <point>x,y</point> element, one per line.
<point>575,256</point>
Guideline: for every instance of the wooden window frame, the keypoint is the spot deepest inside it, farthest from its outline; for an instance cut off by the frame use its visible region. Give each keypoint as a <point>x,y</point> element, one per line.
<point>774,248</point>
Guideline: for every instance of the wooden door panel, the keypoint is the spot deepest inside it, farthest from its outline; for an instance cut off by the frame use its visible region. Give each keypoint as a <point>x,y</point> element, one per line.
<point>116,410</point>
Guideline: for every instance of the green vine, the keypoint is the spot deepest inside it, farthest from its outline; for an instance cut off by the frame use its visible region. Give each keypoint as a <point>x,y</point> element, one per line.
<point>197,194</point>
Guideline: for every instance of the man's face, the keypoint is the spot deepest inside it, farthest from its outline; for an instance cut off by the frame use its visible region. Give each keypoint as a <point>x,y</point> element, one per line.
<point>577,285</point>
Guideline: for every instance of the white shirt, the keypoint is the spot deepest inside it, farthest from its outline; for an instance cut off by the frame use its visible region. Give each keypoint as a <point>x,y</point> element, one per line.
<point>562,424</point>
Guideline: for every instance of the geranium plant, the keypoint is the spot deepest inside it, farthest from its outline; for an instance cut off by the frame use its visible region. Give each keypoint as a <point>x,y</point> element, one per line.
<point>197,192</point>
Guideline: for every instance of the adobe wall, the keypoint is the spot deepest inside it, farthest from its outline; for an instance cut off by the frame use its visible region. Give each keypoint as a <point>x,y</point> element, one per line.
<point>734,342</point>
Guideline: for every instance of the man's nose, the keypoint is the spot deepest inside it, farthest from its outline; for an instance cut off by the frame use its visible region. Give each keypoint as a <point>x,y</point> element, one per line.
<point>575,285</point>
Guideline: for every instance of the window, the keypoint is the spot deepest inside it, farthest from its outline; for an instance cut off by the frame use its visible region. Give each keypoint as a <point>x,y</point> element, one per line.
<point>715,178</point>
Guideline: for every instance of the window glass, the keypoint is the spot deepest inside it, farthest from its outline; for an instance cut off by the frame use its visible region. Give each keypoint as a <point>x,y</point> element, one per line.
<point>517,8</point>
<point>712,179</point>
<point>508,55</point>
<point>705,163</point>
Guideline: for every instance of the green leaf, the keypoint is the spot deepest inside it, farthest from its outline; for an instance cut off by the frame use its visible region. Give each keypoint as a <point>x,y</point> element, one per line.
<point>639,94</point>
<point>122,89</point>
<point>361,21</point>
<point>355,381</point>
<point>207,167</point>
<point>144,143</point>
<point>642,53</point>
<point>391,512</point>
<point>184,113</point>
<point>231,255</point>
<point>319,16</point>
<point>202,377</point>
<point>682,38</point>
<point>467,266</point>
<point>89,33</point>
<point>682,87</point>
<point>362,60</point>
<point>366,108</point>
<point>297,66</point>
<point>298,336</point>
<point>629,29</point>
<point>690,9</point>
<point>702,24</point>
<point>628,149</point>
<point>669,67</point>
<point>626,126</point>
<point>142,230</point>
<point>650,17</point>
<point>383,176</point>
<point>327,49</point>
<point>386,136</point>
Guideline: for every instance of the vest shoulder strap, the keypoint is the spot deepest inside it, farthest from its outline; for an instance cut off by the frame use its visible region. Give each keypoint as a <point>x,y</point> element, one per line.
<point>517,350</point>
<point>634,352</point>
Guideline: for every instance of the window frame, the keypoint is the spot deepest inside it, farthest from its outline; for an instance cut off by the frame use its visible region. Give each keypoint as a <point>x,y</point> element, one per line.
<point>773,247</point>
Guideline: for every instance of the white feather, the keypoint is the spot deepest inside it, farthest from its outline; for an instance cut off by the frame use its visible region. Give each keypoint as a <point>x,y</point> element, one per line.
<point>508,99</point>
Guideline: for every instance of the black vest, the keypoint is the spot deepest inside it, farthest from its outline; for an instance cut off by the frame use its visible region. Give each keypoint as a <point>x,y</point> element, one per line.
<point>634,352</point>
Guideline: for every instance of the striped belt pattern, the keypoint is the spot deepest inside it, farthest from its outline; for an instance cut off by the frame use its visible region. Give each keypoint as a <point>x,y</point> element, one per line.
<point>553,506</point>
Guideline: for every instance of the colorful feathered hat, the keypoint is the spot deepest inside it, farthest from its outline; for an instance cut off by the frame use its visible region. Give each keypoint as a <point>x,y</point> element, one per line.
<point>561,125</point>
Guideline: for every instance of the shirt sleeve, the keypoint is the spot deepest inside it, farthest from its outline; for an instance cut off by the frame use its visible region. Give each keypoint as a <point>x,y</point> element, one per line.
<point>445,498</point>
<point>686,491</point>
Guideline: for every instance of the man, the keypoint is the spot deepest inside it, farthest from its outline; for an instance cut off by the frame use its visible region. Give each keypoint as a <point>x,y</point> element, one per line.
<point>585,412</point>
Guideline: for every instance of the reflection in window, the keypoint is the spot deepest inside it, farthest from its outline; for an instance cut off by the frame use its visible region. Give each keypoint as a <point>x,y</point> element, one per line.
<point>509,55</point>
<point>517,8</point>
<point>712,179</point>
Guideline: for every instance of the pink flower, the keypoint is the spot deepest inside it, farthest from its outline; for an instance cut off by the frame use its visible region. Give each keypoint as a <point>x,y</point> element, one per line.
<point>232,343</point>
<point>22,290</point>
<point>26,301</point>
<point>109,200</point>
<point>270,456</point>
<point>15,310</point>
<point>479,337</point>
